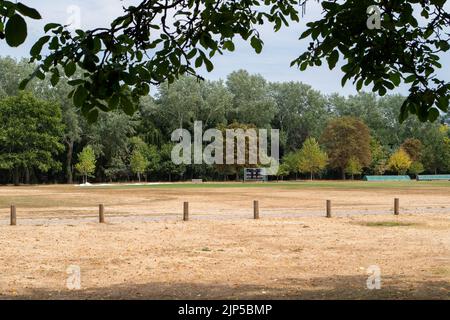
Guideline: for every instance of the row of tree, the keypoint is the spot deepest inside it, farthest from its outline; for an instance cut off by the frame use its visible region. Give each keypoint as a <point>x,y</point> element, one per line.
<point>44,139</point>
<point>349,148</point>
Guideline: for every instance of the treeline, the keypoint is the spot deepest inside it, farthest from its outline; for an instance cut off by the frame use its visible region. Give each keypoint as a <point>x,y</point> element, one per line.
<point>44,139</point>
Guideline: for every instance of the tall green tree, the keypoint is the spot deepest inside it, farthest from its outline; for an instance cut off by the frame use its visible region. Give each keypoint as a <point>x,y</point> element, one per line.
<point>252,103</point>
<point>300,113</point>
<point>436,152</point>
<point>30,135</point>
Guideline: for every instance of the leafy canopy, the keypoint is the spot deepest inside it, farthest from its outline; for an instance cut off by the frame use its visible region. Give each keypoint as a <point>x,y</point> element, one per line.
<point>159,40</point>
<point>346,138</point>
<point>30,131</point>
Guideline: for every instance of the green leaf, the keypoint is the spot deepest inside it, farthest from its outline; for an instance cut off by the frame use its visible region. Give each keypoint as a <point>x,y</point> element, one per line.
<point>16,31</point>
<point>79,97</point>
<point>209,65</point>
<point>198,62</point>
<point>256,43</point>
<point>51,26</point>
<point>23,84</point>
<point>70,68</point>
<point>192,53</point>
<point>92,116</point>
<point>333,59</point>
<point>28,12</point>
<point>433,114</point>
<point>37,47</point>
<point>54,79</point>
<point>127,105</point>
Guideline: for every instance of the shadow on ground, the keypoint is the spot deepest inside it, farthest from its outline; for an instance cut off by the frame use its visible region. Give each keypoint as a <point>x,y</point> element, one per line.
<point>339,287</point>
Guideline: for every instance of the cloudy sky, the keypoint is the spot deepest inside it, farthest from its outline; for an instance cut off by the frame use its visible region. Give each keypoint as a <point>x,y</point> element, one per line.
<point>273,63</point>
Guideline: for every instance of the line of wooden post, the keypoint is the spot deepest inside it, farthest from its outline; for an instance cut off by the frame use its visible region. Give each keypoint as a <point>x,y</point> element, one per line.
<point>101,211</point>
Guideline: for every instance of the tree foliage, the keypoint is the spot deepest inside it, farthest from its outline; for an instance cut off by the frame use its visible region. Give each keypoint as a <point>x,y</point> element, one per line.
<point>405,49</point>
<point>416,168</point>
<point>138,163</point>
<point>157,41</point>
<point>344,138</point>
<point>413,147</point>
<point>353,167</point>
<point>13,27</point>
<point>399,162</point>
<point>311,158</point>
<point>86,162</point>
<point>30,135</point>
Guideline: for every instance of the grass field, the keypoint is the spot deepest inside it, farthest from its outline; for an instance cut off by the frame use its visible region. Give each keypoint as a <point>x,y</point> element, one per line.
<point>146,251</point>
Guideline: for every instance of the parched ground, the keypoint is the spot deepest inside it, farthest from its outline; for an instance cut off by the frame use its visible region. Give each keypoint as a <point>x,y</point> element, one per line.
<point>293,252</point>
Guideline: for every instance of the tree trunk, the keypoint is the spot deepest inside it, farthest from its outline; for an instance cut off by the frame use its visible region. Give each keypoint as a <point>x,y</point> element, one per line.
<point>69,155</point>
<point>16,176</point>
<point>343,174</point>
<point>311,176</point>
<point>139,177</point>
<point>27,175</point>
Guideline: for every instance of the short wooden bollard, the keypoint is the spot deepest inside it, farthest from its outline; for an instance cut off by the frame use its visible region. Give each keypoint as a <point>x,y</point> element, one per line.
<point>101,213</point>
<point>397,206</point>
<point>186,211</point>
<point>13,215</point>
<point>328,208</point>
<point>256,210</point>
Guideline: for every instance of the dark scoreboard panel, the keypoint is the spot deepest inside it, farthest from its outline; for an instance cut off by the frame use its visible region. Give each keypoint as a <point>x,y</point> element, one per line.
<point>255,174</point>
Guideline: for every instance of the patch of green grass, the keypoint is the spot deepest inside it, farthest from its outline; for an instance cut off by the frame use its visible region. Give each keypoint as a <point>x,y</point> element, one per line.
<point>442,271</point>
<point>344,185</point>
<point>387,224</point>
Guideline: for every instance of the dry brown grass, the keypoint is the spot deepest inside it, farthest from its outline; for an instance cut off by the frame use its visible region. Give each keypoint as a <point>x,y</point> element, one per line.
<point>222,252</point>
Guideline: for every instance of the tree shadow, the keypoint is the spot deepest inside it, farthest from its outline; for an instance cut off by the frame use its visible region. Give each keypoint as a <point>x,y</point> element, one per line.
<point>339,287</point>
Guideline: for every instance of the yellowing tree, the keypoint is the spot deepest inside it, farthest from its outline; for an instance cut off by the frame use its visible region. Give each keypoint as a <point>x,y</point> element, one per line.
<point>400,162</point>
<point>311,158</point>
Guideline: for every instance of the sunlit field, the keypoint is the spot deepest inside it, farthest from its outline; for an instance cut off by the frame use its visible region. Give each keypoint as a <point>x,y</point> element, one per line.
<point>145,250</point>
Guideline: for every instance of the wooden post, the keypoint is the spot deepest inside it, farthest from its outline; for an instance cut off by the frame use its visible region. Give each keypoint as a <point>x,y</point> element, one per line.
<point>397,206</point>
<point>256,209</point>
<point>328,208</point>
<point>101,213</point>
<point>13,215</point>
<point>186,211</point>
